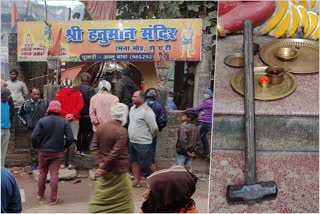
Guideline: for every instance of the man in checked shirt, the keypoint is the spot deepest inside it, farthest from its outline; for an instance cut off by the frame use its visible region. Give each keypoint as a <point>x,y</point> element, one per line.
<point>30,113</point>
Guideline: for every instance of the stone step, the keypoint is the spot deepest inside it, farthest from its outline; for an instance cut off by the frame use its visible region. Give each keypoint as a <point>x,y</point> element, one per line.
<point>64,174</point>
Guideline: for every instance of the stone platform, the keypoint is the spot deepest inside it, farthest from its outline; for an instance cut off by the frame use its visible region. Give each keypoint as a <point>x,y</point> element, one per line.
<point>296,175</point>
<point>287,138</point>
<point>64,174</point>
<point>304,101</point>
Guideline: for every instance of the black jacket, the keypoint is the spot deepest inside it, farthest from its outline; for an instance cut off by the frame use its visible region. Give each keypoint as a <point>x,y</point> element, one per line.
<point>87,92</point>
<point>30,113</point>
<point>48,135</point>
<point>124,90</point>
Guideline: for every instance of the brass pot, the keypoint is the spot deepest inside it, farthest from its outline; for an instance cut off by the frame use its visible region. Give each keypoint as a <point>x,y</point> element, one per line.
<point>286,53</point>
<point>276,74</point>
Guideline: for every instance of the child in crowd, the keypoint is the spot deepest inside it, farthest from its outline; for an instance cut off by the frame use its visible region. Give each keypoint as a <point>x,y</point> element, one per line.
<point>188,140</point>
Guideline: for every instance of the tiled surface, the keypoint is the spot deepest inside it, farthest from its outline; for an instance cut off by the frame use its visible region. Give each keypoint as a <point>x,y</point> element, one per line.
<point>303,101</point>
<point>296,176</point>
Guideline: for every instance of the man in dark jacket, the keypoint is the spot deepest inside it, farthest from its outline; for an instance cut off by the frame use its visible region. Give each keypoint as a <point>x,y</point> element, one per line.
<point>124,88</point>
<point>85,125</point>
<point>30,113</point>
<point>48,138</point>
<point>160,112</point>
<point>10,194</point>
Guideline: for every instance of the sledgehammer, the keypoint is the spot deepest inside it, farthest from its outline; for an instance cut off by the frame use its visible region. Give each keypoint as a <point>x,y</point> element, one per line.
<point>251,190</point>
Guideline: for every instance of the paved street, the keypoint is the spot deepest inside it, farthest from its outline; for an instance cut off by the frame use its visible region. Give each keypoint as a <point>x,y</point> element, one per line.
<point>76,196</point>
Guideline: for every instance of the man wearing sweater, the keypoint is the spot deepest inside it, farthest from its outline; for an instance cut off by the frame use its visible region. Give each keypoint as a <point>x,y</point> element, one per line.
<point>205,119</point>
<point>19,92</point>
<point>142,129</point>
<point>30,113</point>
<point>85,126</point>
<point>51,136</point>
<point>18,88</point>
<point>101,103</point>
<point>71,105</point>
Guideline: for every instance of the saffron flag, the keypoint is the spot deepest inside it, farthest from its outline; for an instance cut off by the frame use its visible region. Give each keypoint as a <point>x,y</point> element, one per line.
<point>14,14</point>
<point>55,49</point>
<point>101,10</point>
<point>72,72</point>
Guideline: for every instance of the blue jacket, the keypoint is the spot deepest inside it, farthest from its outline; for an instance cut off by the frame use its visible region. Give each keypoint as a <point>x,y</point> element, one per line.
<point>160,112</point>
<point>48,135</point>
<point>5,115</point>
<point>205,109</point>
<point>10,194</point>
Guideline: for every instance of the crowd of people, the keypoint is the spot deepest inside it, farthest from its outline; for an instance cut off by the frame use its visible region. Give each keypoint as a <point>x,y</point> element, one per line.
<point>119,127</point>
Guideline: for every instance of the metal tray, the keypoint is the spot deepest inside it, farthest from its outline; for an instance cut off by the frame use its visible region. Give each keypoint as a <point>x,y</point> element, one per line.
<point>272,92</point>
<point>235,60</point>
<point>307,60</point>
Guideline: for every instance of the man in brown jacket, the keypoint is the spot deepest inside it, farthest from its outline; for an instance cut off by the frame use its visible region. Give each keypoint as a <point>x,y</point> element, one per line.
<point>109,147</point>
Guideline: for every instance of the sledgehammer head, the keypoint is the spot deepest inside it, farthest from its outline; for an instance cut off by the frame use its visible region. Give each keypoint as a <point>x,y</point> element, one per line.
<point>252,192</point>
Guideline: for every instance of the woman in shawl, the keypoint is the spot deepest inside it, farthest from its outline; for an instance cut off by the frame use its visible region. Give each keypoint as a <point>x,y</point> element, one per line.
<point>170,191</point>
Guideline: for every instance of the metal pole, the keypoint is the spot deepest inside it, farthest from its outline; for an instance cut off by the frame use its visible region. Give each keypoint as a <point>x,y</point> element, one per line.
<point>58,70</point>
<point>249,104</point>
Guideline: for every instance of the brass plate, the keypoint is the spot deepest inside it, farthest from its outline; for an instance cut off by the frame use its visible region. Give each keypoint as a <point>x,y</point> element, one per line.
<point>272,92</point>
<point>235,60</point>
<point>307,60</point>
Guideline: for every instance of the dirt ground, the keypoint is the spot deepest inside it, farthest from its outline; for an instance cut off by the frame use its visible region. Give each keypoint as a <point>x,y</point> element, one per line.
<point>76,196</point>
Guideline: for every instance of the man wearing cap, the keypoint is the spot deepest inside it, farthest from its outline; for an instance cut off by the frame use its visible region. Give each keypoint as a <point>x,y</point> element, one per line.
<point>71,105</point>
<point>30,113</point>
<point>160,112</point>
<point>85,126</point>
<point>110,151</point>
<point>51,136</point>
<point>142,129</point>
<point>101,103</point>
<point>6,121</point>
<point>205,119</point>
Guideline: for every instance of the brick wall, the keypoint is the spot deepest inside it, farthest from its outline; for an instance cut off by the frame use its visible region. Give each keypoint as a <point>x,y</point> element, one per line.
<point>19,155</point>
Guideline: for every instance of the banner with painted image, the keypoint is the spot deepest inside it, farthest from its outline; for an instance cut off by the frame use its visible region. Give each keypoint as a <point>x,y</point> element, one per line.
<point>111,40</point>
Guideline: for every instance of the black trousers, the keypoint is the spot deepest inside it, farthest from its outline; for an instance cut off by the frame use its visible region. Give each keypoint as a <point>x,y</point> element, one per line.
<point>85,134</point>
<point>33,151</point>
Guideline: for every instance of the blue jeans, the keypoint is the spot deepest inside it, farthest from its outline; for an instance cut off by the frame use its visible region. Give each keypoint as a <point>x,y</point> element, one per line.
<point>184,160</point>
<point>204,128</point>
